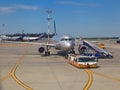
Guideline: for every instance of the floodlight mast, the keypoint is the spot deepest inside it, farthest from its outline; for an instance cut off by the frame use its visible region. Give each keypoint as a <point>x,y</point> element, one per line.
<point>49,19</point>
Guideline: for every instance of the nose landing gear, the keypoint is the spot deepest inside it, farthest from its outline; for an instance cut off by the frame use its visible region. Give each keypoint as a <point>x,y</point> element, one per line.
<point>70,52</point>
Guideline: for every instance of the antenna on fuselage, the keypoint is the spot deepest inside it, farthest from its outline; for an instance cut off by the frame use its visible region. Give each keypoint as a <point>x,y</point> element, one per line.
<point>49,19</point>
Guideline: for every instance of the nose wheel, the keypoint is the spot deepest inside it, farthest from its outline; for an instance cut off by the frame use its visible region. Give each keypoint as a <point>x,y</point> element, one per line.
<point>71,52</point>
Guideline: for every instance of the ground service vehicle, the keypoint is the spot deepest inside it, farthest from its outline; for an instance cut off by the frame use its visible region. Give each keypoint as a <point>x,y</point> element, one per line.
<point>82,61</point>
<point>101,45</point>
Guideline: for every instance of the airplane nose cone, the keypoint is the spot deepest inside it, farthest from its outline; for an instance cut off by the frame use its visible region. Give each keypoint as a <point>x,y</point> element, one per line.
<point>69,46</point>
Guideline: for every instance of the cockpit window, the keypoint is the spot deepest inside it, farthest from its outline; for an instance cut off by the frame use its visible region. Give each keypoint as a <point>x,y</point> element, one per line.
<point>62,39</point>
<point>66,39</point>
<point>70,39</point>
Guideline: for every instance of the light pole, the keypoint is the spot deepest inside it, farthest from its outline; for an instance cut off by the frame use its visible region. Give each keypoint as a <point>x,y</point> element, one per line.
<point>49,19</point>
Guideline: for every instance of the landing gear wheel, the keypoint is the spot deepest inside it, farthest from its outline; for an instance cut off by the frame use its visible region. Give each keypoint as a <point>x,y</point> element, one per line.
<point>72,52</point>
<point>47,53</point>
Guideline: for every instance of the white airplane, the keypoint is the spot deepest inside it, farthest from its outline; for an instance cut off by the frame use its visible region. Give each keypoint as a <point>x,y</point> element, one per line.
<point>19,38</point>
<point>27,38</point>
<point>65,43</point>
<point>8,38</point>
<point>3,37</point>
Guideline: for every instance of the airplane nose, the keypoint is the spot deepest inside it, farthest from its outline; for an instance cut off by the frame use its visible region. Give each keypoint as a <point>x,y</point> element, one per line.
<point>69,45</point>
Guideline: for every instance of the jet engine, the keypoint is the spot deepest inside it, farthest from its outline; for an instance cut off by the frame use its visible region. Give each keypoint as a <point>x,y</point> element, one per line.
<point>41,49</point>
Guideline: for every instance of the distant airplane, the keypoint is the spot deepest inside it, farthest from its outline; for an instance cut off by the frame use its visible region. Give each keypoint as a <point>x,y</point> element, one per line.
<point>3,37</point>
<point>41,36</point>
<point>23,37</point>
<point>28,38</point>
<point>10,38</point>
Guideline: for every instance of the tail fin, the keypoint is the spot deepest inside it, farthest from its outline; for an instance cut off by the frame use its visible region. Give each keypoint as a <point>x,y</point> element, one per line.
<point>55,28</point>
<point>41,36</point>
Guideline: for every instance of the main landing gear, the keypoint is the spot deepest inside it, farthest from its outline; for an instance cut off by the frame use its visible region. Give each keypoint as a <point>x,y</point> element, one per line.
<point>47,53</point>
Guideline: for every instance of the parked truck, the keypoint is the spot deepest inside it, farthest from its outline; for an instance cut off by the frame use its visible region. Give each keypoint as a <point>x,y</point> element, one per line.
<point>82,61</point>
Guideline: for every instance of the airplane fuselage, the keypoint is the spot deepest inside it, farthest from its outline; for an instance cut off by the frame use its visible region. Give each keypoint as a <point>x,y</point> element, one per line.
<point>65,43</point>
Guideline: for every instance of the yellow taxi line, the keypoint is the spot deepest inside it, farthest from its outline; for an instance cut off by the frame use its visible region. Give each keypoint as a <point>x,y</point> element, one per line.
<point>9,75</point>
<point>87,86</point>
<point>17,80</point>
<point>12,74</point>
<point>109,77</point>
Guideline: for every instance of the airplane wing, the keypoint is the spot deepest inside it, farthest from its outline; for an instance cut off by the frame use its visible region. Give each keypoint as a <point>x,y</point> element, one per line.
<point>34,43</point>
<point>47,44</point>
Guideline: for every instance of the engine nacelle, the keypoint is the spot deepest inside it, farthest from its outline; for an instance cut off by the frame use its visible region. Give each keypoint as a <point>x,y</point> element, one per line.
<point>41,49</point>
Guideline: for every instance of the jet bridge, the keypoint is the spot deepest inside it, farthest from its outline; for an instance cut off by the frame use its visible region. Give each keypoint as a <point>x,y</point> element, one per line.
<point>92,49</point>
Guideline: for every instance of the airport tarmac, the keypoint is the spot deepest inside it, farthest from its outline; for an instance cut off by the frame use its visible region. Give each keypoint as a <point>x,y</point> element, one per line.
<point>23,68</point>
